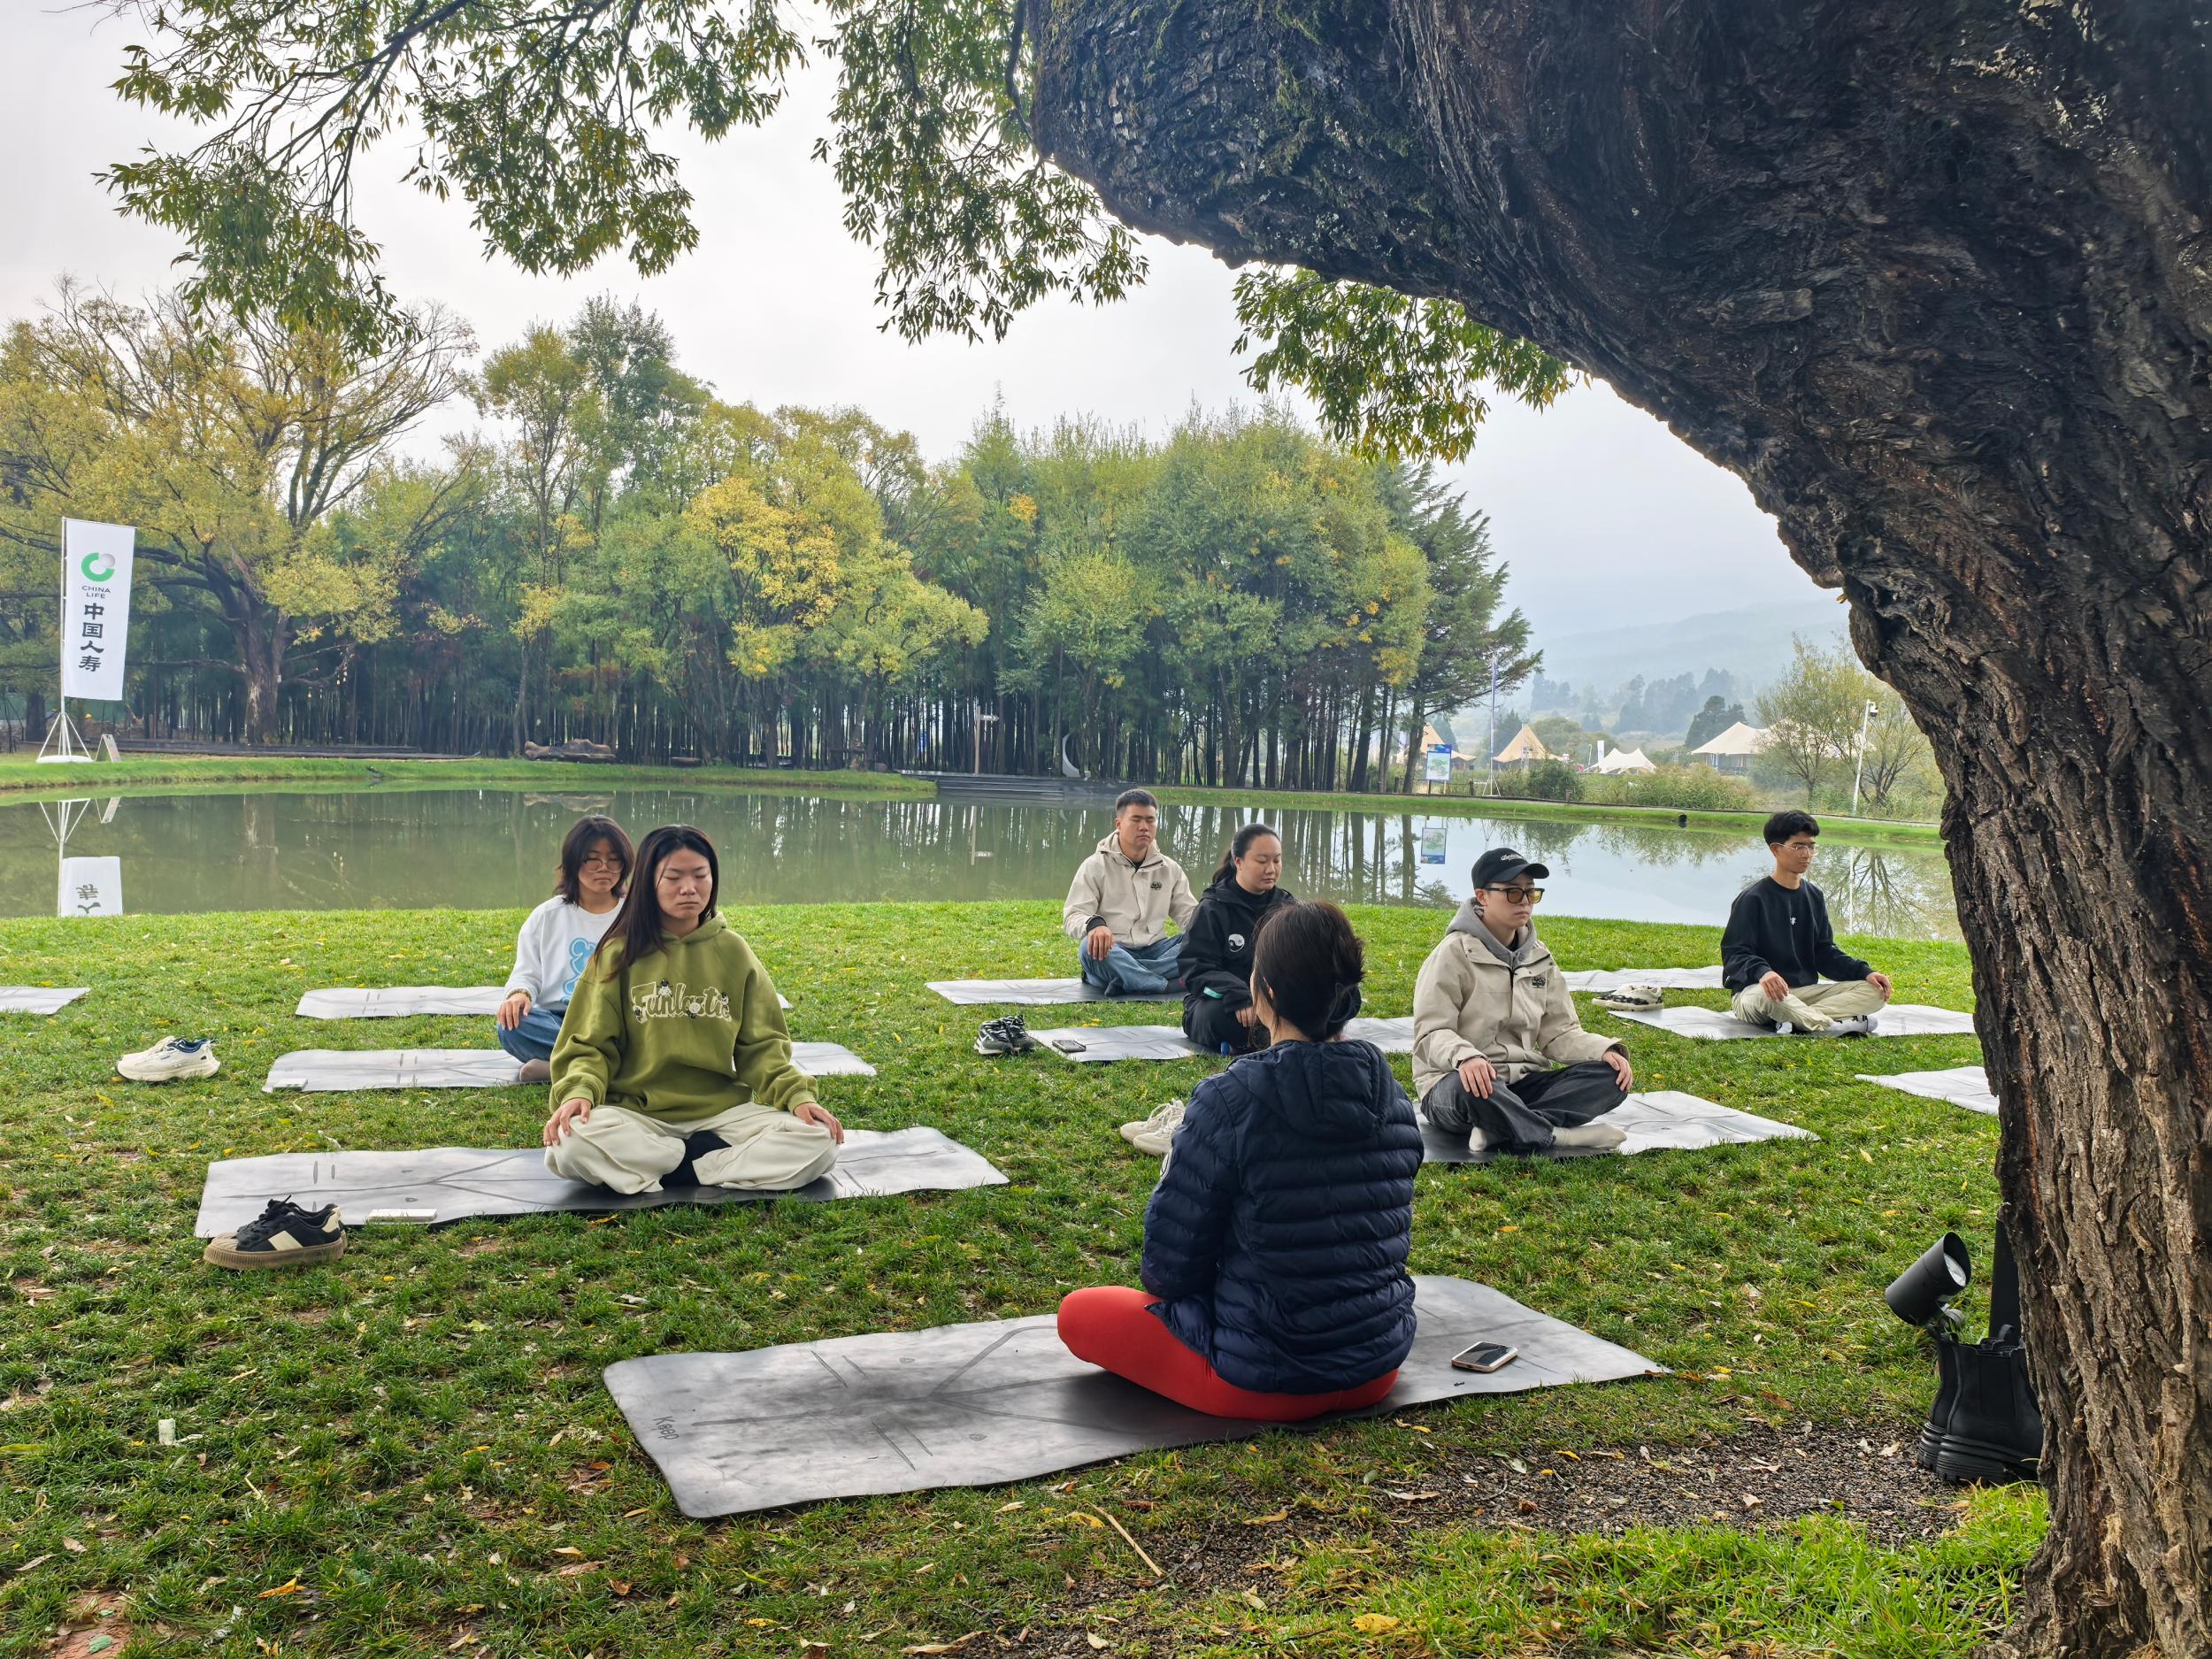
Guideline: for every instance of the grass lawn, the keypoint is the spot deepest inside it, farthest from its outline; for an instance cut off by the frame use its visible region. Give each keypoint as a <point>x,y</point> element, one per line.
<point>22,775</point>
<point>1833,826</point>
<point>409,1452</point>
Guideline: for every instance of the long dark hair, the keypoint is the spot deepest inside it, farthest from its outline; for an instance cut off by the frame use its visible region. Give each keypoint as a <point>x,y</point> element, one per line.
<point>1309,963</point>
<point>638,925</point>
<point>1238,847</point>
<point>587,832</point>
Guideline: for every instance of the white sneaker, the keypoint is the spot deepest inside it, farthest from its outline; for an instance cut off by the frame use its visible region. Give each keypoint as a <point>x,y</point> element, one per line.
<point>171,1058</point>
<point>1153,1133</point>
<point>1591,1137</point>
<point>1854,1025</point>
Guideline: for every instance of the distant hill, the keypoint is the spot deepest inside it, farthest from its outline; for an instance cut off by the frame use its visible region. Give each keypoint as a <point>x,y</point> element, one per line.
<point>1753,644</point>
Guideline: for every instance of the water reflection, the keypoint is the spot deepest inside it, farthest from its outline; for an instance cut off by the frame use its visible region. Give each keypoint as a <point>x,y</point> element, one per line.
<point>480,848</point>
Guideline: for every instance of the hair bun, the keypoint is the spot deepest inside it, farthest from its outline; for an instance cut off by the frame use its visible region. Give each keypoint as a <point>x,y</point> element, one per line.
<point>1346,1004</point>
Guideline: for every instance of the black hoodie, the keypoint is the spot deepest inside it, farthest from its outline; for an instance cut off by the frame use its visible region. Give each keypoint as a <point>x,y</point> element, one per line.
<point>1216,957</point>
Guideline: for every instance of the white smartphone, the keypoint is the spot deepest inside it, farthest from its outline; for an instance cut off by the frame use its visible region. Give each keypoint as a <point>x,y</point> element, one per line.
<point>1485,1356</point>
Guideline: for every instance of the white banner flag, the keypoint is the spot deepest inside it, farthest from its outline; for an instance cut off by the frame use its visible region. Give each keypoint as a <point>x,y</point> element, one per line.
<point>90,886</point>
<point>96,607</point>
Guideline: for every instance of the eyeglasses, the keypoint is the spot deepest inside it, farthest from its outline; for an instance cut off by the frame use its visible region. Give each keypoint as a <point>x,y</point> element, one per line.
<point>1520,896</point>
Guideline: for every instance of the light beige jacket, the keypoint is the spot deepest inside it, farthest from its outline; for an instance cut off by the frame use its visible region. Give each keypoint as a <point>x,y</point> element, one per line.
<point>1476,996</point>
<point>1134,900</point>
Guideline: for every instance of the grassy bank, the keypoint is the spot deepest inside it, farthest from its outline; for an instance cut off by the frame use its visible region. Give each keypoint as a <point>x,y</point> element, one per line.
<point>409,1452</point>
<point>1833,826</point>
<point>21,775</point>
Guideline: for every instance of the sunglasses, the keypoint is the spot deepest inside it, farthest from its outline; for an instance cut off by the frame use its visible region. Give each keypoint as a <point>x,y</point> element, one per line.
<point>1519,895</point>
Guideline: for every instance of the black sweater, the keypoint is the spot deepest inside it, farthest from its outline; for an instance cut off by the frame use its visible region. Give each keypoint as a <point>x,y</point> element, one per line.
<point>1217,945</point>
<point>1774,929</point>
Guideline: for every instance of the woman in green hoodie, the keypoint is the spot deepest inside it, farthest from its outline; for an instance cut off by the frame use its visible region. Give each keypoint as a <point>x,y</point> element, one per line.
<point>673,1067</point>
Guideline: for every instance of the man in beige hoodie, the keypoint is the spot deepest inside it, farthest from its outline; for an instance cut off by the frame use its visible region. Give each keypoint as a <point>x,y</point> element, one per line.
<point>1121,900</point>
<point>1499,1053</point>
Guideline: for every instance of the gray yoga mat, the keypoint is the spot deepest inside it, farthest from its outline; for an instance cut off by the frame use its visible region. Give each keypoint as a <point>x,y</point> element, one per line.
<point>1037,993</point>
<point>1092,1045</point>
<point>1966,1085</point>
<point>976,1405</point>
<point>1654,1120</point>
<point>1899,1019</point>
<point>1706,979</point>
<point>329,1070</point>
<point>393,1002</point>
<point>447,1184</point>
<point>38,999</point>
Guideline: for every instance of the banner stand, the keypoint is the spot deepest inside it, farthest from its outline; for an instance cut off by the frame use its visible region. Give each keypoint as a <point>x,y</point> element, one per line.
<point>63,743</point>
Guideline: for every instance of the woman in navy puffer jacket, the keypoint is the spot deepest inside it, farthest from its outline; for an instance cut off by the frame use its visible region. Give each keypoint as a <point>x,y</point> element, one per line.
<point>1275,1244</point>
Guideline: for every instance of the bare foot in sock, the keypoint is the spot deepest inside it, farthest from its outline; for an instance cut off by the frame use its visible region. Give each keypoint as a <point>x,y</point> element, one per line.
<point>536,1071</point>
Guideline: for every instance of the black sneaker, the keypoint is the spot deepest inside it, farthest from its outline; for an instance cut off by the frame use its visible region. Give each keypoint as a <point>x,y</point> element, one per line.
<point>282,1236</point>
<point>697,1144</point>
<point>1005,1035</point>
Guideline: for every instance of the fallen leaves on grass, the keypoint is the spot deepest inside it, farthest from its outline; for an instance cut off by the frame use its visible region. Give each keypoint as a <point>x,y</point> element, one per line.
<point>1374,1624</point>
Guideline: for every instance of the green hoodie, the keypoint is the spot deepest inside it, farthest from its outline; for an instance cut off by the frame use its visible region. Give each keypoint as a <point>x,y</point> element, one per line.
<point>690,1031</point>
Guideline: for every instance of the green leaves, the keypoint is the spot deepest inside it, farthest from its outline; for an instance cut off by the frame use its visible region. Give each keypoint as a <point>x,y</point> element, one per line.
<point>934,160</point>
<point>1392,375</point>
<point>540,115</point>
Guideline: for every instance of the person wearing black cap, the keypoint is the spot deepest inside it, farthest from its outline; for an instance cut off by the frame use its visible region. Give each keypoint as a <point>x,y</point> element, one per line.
<point>1499,1053</point>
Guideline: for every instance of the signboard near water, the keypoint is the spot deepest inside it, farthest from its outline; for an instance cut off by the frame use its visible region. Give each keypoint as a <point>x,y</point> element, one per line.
<point>1441,763</point>
<point>1432,844</point>
<point>96,607</point>
<point>90,886</point>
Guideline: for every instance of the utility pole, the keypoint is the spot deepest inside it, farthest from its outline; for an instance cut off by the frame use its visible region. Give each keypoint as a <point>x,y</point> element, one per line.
<point>1861,772</point>
<point>1490,750</point>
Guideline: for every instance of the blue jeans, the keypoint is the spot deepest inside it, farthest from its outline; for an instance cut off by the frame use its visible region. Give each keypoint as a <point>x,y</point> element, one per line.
<point>1146,968</point>
<point>534,1039</point>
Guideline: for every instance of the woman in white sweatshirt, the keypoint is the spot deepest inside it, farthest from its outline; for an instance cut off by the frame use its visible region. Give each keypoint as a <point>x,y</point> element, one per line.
<point>557,939</point>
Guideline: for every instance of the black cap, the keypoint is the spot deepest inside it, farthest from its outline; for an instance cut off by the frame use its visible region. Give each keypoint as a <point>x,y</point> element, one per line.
<point>1502,864</point>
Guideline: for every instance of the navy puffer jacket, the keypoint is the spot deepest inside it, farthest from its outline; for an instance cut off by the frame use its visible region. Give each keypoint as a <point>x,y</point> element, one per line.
<point>1277,1238</point>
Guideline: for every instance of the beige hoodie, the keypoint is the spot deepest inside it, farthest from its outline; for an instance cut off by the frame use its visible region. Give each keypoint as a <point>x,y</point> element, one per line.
<point>1134,900</point>
<point>1476,996</point>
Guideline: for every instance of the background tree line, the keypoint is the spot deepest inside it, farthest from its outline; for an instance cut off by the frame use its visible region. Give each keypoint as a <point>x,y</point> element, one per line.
<point>613,552</point>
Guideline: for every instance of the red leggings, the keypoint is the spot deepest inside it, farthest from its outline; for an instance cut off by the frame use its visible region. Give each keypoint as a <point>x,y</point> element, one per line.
<point>1114,1328</point>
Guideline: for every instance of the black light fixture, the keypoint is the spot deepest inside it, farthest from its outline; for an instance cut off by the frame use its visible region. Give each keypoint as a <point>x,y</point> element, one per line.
<point>1923,1294</point>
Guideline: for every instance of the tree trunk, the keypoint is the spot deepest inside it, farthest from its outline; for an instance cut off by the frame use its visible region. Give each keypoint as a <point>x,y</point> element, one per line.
<point>263,636</point>
<point>1937,283</point>
<point>1417,722</point>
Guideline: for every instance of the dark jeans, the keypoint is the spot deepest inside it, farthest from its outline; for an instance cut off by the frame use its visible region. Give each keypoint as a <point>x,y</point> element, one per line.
<point>1520,1116</point>
<point>1213,1026</point>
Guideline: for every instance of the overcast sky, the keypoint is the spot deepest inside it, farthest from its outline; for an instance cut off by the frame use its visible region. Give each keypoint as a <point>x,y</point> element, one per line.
<point>1604,517</point>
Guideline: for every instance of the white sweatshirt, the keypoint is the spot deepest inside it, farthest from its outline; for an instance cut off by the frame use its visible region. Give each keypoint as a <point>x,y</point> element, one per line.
<point>556,939</point>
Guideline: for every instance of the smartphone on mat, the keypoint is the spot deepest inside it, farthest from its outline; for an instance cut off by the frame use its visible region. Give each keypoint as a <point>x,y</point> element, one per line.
<point>1485,1356</point>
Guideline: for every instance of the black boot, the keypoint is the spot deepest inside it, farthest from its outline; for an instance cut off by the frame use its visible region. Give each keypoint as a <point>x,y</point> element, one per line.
<point>1946,1350</point>
<point>1994,1433</point>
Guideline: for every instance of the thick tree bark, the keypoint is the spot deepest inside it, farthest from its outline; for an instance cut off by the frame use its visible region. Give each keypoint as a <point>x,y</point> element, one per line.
<point>1937,282</point>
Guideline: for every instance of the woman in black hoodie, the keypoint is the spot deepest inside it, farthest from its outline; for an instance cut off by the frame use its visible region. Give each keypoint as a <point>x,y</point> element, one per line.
<point>1217,945</point>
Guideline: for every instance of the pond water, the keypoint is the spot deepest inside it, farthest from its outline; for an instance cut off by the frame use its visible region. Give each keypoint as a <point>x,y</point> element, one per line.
<point>480,848</point>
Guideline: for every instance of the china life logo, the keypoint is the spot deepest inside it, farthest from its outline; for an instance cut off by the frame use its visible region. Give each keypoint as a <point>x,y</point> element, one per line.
<point>96,621</point>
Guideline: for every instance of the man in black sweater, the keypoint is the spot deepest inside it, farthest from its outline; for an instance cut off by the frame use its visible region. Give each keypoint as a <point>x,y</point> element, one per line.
<point>1777,944</point>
